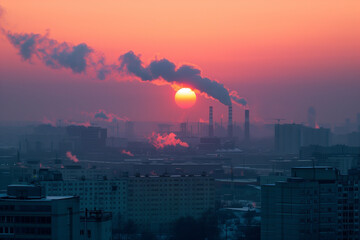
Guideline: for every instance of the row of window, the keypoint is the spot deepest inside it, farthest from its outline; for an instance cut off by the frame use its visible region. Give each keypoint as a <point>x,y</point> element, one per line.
<point>25,219</point>
<point>25,230</point>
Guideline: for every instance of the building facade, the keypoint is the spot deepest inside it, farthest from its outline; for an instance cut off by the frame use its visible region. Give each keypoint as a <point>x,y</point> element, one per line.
<point>290,137</point>
<point>315,203</point>
<point>27,213</point>
<point>96,225</point>
<point>152,202</point>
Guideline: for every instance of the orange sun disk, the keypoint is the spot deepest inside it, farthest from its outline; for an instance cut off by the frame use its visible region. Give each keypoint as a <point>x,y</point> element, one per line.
<point>185,98</point>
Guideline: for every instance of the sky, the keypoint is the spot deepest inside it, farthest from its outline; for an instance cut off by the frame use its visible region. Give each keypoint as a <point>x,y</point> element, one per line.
<point>280,56</point>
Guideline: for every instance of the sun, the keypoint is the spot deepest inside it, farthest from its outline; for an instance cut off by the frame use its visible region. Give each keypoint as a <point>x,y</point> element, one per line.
<point>185,98</point>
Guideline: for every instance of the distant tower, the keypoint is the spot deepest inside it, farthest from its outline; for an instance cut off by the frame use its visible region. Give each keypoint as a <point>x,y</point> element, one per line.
<point>129,129</point>
<point>247,125</point>
<point>183,129</point>
<point>230,123</point>
<point>311,117</point>
<point>211,123</point>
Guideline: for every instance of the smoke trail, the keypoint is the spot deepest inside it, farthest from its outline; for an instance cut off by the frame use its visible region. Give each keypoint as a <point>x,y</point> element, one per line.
<point>66,122</point>
<point>73,123</point>
<point>237,99</point>
<point>127,153</point>
<point>72,157</point>
<point>52,53</point>
<point>79,58</point>
<point>160,141</point>
<point>108,117</point>
<point>185,75</point>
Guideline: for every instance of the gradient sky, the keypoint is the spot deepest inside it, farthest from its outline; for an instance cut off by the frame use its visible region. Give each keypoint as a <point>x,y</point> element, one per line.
<point>282,56</point>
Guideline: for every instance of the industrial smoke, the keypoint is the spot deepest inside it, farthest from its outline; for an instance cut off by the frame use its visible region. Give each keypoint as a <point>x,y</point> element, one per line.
<point>83,59</point>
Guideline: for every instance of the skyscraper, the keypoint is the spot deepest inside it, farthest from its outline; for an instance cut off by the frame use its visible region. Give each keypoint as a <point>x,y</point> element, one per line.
<point>311,116</point>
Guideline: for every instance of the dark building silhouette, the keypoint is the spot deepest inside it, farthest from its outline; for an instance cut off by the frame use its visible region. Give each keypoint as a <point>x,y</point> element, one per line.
<point>230,123</point>
<point>314,203</point>
<point>311,115</point>
<point>87,139</point>
<point>247,125</point>
<point>27,213</point>
<point>129,129</point>
<point>210,144</point>
<point>183,129</point>
<point>290,137</point>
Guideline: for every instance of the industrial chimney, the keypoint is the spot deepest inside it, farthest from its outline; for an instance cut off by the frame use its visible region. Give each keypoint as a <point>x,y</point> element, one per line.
<point>211,124</point>
<point>230,123</point>
<point>247,125</point>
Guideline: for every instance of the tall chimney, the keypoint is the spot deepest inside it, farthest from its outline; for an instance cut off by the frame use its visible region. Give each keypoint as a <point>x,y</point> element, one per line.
<point>211,124</point>
<point>230,123</point>
<point>247,125</point>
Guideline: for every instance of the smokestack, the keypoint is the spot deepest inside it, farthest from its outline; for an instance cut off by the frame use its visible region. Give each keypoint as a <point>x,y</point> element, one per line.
<point>230,123</point>
<point>247,124</point>
<point>211,124</point>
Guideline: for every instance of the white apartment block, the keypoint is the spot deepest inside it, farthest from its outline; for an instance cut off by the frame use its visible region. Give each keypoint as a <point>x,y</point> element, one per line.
<point>152,202</point>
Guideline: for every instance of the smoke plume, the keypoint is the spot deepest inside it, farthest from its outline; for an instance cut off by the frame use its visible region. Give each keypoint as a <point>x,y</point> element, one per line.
<point>237,99</point>
<point>185,76</point>
<point>65,122</point>
<point>72,157</point>
<point>160,141</point>
<point>108,117</point>
<point>127,153</point>
<point>81,58</point>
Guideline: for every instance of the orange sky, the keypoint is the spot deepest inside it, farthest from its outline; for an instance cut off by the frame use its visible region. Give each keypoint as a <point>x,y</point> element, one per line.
<point>205,33</point>
<point>235,42</point>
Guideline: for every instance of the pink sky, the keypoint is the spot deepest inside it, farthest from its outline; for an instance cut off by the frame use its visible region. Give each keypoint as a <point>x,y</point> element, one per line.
<point>282,56</point>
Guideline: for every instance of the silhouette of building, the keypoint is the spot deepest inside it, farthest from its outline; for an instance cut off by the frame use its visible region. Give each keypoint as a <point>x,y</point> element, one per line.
<point>314,203</point>
<point>183,129</point>
<point>152,202</point>
<point>290,137</point>
<point>303,207</point>
<point>27,213</point>
<point>339,156</point>
<point>87,139</point>
<point>311,116</point>
<point>129,129</point>
<point>247,125</point>
<point>108,195</point>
